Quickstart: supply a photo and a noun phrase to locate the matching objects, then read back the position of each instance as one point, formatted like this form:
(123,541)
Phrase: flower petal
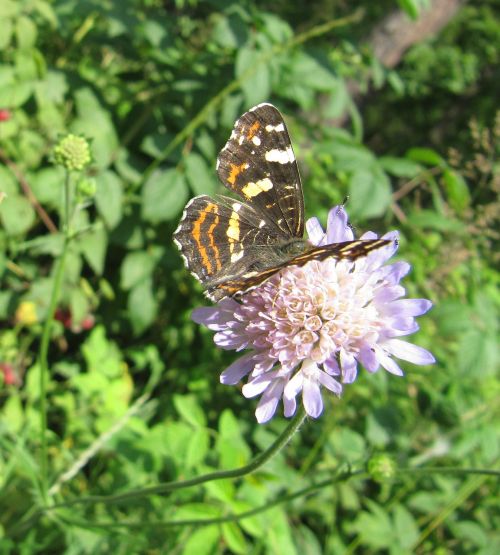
(315,231)
(267,405)
(409,307)
(259,384)
(389,364)
(330,383)
(241,367)
(311,397)
(349,366)
(368,358)
(338,229)
(408,351)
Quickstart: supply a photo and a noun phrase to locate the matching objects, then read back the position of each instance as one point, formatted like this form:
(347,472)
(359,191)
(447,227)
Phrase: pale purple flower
(308,327)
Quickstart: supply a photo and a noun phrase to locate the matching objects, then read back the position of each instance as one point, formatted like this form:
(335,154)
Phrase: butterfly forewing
(258,164)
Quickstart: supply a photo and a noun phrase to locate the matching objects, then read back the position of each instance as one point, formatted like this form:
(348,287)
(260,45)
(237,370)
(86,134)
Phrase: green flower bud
(72,152)
(382,467)
(85,188)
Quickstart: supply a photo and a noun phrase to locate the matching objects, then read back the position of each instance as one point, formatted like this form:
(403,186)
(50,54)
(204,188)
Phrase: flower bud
(72,152)
(86,188)
(382,467)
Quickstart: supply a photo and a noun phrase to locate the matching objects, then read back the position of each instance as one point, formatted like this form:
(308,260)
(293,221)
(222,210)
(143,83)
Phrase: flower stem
(44,344)
(256,463)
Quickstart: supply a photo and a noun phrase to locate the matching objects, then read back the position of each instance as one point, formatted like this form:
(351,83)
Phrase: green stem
(45,341)
(256,463)
(278,500)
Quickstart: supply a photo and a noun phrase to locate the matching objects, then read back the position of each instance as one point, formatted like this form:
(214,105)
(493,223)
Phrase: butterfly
(232,246)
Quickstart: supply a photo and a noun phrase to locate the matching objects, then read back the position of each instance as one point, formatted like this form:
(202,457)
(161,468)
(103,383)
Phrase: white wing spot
(278,128)
(255,140)
(280,156)
(237,255)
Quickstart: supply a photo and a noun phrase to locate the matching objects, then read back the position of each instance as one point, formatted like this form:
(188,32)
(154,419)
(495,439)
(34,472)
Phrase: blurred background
(393,104)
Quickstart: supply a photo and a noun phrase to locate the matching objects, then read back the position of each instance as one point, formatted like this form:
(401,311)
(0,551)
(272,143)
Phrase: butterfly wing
(239,284)
(223,237)
(258,164)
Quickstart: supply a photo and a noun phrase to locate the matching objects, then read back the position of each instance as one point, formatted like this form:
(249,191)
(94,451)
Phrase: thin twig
(29,193)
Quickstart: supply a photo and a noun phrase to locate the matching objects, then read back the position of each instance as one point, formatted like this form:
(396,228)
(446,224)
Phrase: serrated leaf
(163,196)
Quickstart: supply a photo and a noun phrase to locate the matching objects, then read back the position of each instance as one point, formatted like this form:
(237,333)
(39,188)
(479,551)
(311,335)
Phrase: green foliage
(133,394)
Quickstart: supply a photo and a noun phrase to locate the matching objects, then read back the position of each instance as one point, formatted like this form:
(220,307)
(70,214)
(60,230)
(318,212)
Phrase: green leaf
(26,32)
(230,31)
(47,185)
(163,196)
(202,541)
(109,198)
(400,167)
(17,214)
(79,306)
(6,34)
(15,94)
(200,177)
(405,527)
(349,156)
(93,245)
(9,8)
(428,219)
(96,123)
(234,537)
(254,76)
(369,184)
(189,409)
(426,156)
(231,446)
(136,267)
(8,184)
(142,306)
(198,447)
(457,191)
(472,532)
(375,527)
(309,72)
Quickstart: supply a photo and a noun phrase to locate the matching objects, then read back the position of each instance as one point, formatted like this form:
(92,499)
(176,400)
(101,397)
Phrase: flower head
(72,152)
(310,326)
